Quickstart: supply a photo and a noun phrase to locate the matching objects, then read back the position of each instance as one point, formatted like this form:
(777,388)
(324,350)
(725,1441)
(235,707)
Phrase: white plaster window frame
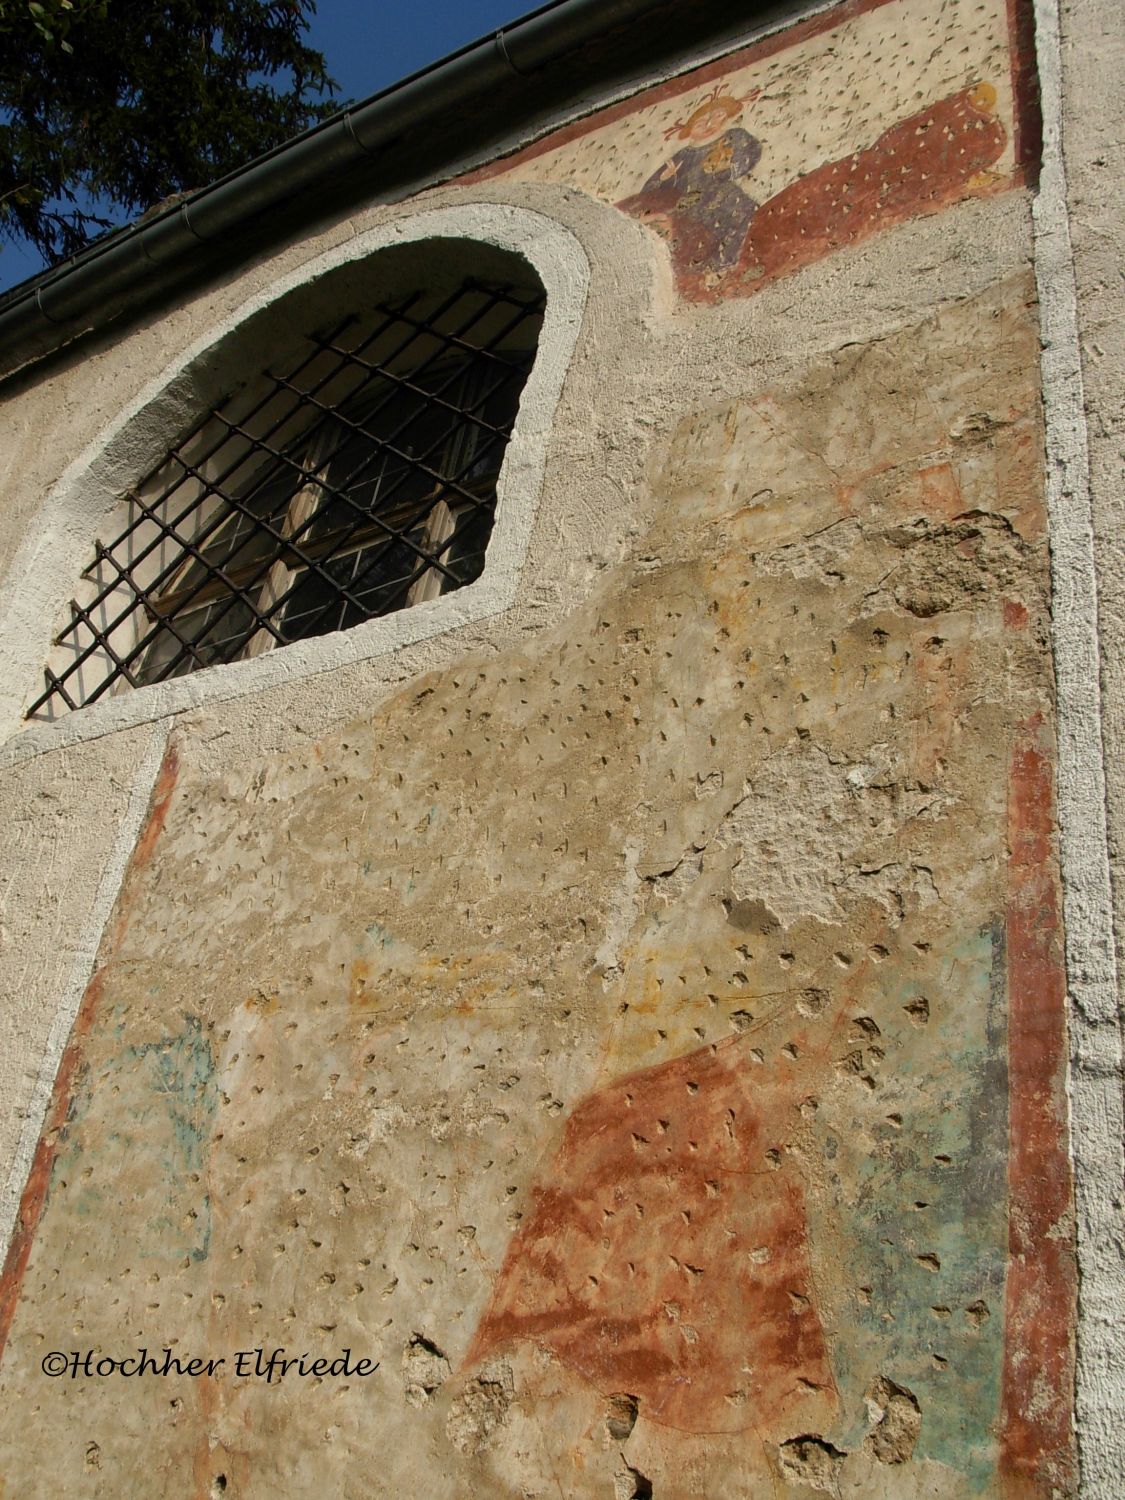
(43,574)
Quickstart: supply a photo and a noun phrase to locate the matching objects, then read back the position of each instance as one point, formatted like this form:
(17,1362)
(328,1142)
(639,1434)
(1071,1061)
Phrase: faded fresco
(641,1043)
(807,143)
(645,1042)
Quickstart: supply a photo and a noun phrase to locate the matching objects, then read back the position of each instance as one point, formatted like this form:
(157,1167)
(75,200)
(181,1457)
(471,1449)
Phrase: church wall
(635,1022)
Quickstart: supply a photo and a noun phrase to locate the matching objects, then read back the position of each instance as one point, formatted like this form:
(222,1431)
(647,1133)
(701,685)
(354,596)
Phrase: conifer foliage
(107,107)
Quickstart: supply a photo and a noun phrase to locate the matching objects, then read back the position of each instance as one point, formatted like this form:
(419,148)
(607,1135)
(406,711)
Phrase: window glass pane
(377,578)
(216,633)
(464,556)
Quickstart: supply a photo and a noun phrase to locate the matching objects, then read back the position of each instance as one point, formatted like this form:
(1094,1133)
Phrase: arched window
(355,478)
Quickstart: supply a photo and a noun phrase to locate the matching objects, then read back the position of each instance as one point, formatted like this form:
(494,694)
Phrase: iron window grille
(360,482)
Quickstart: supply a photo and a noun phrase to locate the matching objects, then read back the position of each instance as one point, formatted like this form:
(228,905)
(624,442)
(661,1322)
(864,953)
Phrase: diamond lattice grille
(359,482)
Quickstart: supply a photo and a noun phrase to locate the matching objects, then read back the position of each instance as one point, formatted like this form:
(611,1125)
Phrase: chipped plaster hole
(424,1370)
(811,1461)
(864,1027)
(977,1312)
(482,1407)
(631,1484)
(621,1417)
(897,1420)
(218,1486)
(812,1003)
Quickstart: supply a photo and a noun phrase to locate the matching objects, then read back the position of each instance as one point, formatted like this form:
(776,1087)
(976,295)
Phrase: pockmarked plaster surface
(868,114)
(642,1035)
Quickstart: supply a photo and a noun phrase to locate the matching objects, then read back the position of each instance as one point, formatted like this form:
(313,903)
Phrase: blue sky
(371,43)
(368,44)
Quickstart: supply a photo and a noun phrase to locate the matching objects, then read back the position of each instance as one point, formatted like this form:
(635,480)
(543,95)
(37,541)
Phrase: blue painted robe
(698,196)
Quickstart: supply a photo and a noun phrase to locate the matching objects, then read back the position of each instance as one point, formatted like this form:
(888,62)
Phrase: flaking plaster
(684,366)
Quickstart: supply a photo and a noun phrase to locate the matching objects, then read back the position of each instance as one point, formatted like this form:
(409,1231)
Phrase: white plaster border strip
(55,553)
(1095,1082)
(128,832)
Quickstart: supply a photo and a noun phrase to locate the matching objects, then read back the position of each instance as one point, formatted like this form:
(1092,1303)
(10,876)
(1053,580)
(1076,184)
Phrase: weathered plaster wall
(71,822)
(1081,239)
(812,139)
(636,1020)
(1093,57)
(582,516)
(430,959)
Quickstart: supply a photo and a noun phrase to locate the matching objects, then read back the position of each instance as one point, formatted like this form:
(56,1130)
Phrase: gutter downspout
(107,279)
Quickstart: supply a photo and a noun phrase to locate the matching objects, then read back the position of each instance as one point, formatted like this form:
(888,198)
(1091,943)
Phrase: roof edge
(122,271)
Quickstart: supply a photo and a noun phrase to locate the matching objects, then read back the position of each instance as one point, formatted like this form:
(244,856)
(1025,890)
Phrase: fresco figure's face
(706,122)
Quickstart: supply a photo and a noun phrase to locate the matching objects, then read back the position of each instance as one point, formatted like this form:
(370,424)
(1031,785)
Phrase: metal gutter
(104,281)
